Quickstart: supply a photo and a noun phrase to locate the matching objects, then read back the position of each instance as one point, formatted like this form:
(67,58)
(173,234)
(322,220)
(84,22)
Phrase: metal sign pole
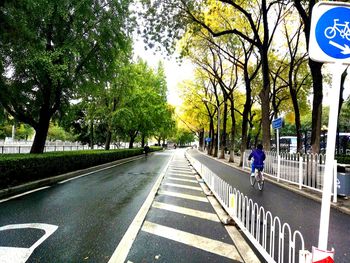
(331,139)
(278,142)
(218,131)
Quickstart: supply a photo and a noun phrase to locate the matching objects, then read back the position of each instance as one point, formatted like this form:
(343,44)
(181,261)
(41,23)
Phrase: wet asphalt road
(299,212)
(182,226)
(92,213)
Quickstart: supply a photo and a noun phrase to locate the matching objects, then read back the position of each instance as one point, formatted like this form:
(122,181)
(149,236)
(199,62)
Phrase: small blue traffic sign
(208,139)
(277,123)
(330,32)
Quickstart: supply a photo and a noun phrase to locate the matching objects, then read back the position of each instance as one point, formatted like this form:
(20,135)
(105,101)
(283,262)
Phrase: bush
(16,169)
(343,159)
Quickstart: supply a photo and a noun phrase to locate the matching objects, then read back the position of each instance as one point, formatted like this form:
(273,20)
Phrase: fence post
(300,172)
(278,167)
(305,256)
(335,182)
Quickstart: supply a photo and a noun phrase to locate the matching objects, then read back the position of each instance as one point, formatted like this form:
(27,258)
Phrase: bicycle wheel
(347,35)
(330,32)
(252,179)
(260,181)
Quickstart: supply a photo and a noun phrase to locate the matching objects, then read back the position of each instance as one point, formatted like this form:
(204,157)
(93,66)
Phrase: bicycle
(257,178)
(343,29)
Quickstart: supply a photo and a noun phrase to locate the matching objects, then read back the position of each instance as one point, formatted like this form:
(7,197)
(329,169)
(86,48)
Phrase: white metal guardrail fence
(275,241)
(304,170)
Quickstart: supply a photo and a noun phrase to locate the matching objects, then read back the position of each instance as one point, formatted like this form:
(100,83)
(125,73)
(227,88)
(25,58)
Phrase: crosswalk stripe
(207,244)
(186,211)
(184,186)
(184,196)
(182,180)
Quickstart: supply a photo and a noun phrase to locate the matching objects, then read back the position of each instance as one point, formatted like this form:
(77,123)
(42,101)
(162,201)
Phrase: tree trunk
(294,97)
(316,72)
(91,134)
(108,139)
(246,110)
(224,128)
(211,135)
(265,118)
(233,131)
(265,101)
(41,131)
(131,142)
(201,139)
(132,139)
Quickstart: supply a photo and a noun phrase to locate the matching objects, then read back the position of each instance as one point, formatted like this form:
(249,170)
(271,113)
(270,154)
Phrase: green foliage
(17,169)
(48,49)
(184,137)
(344,117)
(58,133)
(342,159)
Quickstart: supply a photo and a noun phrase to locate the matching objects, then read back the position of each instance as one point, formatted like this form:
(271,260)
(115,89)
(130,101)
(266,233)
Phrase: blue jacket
(258,156)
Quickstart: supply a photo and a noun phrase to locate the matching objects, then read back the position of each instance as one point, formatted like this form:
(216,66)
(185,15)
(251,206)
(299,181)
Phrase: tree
(48,49)
(304,9)
(144,107)
(184,137)
(187,13)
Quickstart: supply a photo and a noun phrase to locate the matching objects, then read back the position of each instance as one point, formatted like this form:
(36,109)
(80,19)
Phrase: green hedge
(343,159)
(16,169)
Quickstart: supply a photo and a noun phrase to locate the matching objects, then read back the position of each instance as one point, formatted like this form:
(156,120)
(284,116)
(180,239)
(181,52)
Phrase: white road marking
(181,171)
(182,180)
(20,254)
(207,244)
(187,171)
(184,196)
(99,170)
(186,211)
(29,192)
(122,250)
(182,175)
(184,186)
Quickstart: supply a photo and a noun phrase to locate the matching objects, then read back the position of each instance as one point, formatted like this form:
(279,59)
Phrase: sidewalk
(343,203)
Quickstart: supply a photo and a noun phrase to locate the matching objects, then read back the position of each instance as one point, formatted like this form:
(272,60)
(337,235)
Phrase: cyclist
(259,157)
(146,150)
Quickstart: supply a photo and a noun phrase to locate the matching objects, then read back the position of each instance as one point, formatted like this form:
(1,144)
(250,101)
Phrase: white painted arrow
(345,49)
(20,254)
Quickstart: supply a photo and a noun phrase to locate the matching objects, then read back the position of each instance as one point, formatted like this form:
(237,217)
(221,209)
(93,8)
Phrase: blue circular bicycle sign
(330,32)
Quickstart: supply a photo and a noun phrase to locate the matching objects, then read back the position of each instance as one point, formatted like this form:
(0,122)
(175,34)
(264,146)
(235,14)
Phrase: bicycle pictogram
(343,30)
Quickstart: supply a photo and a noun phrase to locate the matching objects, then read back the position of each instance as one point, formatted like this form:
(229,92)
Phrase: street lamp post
(218,134)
